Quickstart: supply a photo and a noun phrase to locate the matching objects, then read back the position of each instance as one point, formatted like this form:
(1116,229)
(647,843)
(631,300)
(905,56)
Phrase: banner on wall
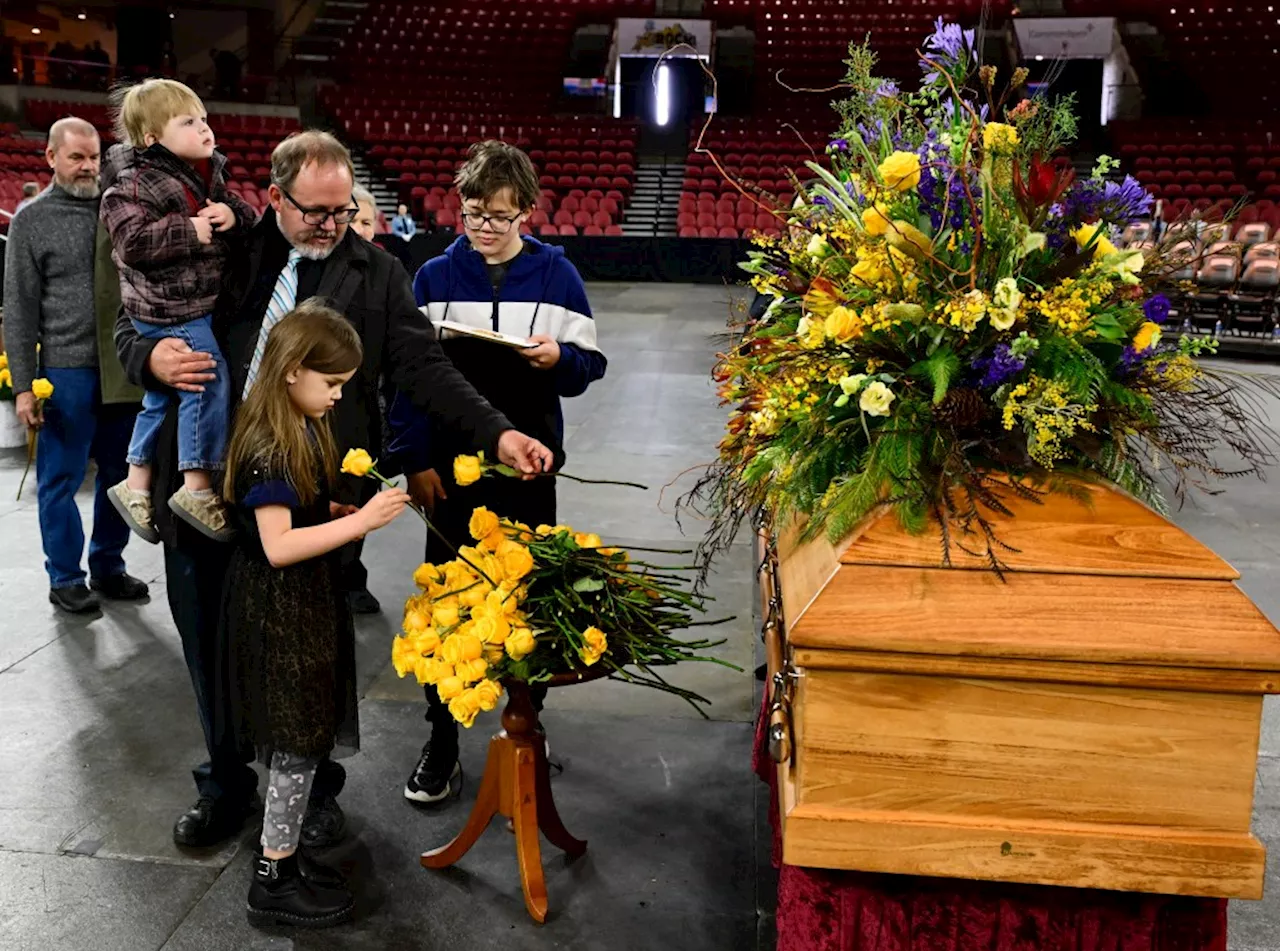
(638,36)
(1065,37)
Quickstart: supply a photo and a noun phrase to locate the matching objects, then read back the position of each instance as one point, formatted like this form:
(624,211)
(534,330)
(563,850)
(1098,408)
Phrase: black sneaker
(75,599)
(433,776)
(280,895)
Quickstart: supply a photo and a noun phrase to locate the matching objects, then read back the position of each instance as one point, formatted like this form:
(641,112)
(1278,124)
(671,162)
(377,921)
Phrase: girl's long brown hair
(268,430)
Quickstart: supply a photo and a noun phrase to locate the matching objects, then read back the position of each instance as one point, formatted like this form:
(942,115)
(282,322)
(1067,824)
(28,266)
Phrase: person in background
(403,224)
(29,192)
(366,223)
(493,279)
(51,301)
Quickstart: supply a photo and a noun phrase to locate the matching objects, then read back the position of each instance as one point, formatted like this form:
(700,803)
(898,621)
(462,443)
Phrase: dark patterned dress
(289,638)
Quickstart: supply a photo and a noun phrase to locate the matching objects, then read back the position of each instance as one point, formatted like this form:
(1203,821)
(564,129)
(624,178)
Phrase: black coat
(368,286)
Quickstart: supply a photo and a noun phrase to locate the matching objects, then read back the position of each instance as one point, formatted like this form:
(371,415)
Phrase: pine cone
(961,408)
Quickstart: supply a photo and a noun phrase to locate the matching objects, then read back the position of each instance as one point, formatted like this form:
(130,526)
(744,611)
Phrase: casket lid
(1112,582)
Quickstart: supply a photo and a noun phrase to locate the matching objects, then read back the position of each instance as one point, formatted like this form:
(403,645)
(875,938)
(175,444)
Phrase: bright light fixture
(663,111)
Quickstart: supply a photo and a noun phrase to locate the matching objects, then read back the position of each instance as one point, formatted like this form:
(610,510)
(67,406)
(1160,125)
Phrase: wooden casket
(1090,720)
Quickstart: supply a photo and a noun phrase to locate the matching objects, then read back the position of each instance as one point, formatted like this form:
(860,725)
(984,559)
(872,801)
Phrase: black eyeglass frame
(343,216)
(491,221)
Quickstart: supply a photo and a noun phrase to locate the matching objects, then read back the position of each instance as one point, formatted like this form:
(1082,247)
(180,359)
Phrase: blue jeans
(78,426)
(202,417)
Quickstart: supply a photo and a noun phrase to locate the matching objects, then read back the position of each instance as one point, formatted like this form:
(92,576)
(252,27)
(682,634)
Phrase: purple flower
(1125,201)
(1157,309)
(949,40)
(1001,366)
(887,90)
(838,145)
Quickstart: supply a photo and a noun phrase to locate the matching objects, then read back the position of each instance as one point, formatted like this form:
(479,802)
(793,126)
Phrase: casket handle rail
(782,683)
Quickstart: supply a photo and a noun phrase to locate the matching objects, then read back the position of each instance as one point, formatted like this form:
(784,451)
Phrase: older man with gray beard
(50,301)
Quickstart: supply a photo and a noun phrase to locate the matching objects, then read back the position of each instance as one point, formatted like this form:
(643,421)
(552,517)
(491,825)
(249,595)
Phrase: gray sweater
(48,286)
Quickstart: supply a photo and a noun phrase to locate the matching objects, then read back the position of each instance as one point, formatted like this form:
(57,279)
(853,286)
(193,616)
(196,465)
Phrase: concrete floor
(97,730)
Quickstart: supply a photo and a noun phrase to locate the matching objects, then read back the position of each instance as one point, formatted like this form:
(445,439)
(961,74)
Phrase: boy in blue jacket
(493,278)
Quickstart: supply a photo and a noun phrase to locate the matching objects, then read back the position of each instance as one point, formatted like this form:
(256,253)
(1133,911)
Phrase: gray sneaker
(135,508)
(206,514)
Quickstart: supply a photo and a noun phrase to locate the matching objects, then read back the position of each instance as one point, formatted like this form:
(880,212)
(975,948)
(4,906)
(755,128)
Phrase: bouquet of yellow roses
(528,604)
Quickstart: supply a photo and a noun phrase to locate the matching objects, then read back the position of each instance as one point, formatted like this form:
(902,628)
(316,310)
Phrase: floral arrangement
(529,604)
(950,321)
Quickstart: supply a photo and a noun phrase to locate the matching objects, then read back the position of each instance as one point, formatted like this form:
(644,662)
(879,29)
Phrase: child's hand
(219,214)
(382,508)
(204,230)
(545,355)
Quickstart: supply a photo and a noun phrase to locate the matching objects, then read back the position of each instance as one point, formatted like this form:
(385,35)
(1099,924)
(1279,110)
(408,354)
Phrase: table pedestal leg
(517,785)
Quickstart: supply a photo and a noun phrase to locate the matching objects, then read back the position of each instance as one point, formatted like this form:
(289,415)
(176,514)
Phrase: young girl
(289,638)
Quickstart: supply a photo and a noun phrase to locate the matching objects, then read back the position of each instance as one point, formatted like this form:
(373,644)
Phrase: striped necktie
(283,299)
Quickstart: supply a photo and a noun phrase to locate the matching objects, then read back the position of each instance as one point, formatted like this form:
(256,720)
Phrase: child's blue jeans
(202,417)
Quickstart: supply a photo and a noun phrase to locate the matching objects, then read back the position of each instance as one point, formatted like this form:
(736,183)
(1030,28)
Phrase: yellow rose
(465,707)
(998,137)
(467,470)
(1148,336)
(842,325)
(432,670)
(520,643)
(415,621)
(544,530)
(494,654)
(404,655)
(461,647)
(515,559)
(472,596)
(901,171)
(491,541)
(472,670)
(875,221)
(445,613)
(867,272)
(449,687)
(426,641)
(41,388)
(425,576)
(588,540)
(4,361)
(492,629)
(594,644)
(357,462)
(1102,246)
(875,399)
(482,523)
(487,694)
(6,378)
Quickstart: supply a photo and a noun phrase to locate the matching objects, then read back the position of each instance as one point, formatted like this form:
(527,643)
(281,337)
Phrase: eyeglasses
(318,216)
(496,224)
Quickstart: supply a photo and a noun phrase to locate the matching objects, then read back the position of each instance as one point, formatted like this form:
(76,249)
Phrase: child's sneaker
(205,513)
(135,508)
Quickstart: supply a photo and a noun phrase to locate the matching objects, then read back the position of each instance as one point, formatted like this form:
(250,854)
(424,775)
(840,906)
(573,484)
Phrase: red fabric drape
(821,910)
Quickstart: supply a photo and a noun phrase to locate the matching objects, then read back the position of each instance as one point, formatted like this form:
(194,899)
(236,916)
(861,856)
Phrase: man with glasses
(493,278)
(302,247)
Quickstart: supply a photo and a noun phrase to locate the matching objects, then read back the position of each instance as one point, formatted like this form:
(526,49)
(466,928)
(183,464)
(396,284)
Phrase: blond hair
(145,108)
(266,431)
(305,148)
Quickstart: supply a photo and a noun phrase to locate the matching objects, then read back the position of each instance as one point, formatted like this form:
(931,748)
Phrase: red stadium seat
(614,231)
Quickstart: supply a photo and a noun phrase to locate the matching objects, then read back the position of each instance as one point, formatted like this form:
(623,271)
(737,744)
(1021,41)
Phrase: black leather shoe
(121,587)
(316,872)
(74,599)
(324,823)
(212,821)
(281,895)
(362,602)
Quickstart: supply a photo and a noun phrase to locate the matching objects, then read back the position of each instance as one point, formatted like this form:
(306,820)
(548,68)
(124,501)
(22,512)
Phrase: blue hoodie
(542,293)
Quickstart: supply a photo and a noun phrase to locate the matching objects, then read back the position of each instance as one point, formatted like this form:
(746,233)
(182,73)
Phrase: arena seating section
(246,140)
(429,79)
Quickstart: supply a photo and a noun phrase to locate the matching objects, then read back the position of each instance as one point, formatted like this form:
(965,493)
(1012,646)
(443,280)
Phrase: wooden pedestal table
(517,785)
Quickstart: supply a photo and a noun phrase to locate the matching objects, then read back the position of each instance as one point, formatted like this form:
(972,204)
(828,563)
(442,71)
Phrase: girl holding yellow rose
(290,662)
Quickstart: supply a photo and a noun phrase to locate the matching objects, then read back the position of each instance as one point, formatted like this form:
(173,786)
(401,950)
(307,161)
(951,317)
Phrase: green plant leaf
(588,584)
(939,368)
